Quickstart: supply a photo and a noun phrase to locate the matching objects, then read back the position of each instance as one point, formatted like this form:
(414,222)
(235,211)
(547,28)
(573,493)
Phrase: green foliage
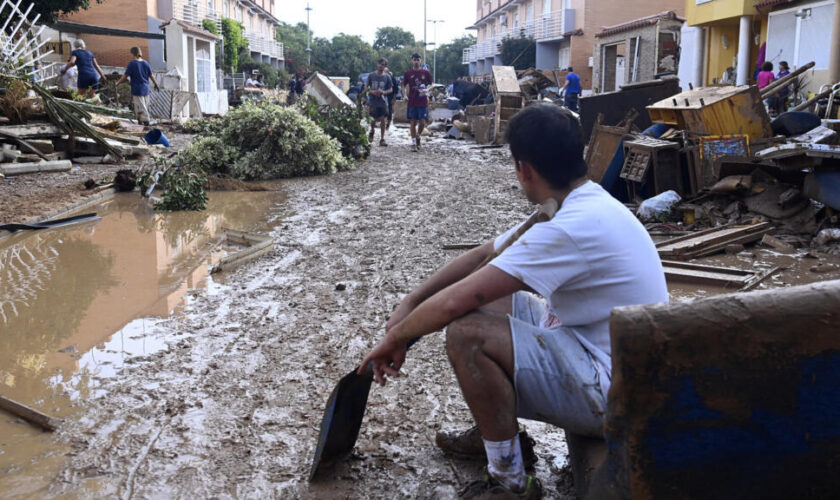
(399,60)
(271,77)
(345,55)
(203,126)
(234,42)
(207,154)
(294,45)
(51,9)
(521,52)
(209,26)
(184,190)
(449,57)
(393,37)
(342,124)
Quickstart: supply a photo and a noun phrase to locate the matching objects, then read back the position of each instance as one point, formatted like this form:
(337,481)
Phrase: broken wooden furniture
(710,241)
(508,100)
(604,142)
(728,395)
(715,111)
(652,161)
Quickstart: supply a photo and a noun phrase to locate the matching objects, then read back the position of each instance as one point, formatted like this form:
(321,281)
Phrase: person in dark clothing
(379,86)
(89,70)
(140,73)
(571,90)
(392,97)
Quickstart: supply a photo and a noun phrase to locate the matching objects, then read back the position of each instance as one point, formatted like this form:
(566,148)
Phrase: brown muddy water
(78,302)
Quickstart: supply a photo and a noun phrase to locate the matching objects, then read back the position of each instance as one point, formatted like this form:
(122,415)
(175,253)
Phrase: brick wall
(121,14)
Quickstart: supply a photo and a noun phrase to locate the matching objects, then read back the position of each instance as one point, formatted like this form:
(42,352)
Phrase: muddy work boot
(382,142)
(468,444)
(490,488)
(417,143)
(370,136)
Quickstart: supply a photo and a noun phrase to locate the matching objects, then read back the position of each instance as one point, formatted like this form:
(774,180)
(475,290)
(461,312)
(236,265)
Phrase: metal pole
(308,37)
(834,59)
(425,22)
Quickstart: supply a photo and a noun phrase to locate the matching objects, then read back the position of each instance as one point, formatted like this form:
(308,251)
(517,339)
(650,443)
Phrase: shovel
(346,405)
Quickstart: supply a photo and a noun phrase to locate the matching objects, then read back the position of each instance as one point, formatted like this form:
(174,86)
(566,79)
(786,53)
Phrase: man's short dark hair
(570,69)
(415,56)
(382,60)
(549,138)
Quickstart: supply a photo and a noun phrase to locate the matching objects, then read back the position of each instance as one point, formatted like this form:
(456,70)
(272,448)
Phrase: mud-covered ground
(232,407)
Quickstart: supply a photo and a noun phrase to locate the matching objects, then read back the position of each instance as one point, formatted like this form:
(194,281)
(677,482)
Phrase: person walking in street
(571,90)
(89,71)
(415,82)
(395,86)
(379,86)
(528,334)
(139,72)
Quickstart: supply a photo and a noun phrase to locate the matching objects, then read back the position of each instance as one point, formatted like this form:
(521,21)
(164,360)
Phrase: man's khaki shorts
(556,377)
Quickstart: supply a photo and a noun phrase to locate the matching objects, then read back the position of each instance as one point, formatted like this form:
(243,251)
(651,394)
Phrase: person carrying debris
(87,67)
(379,86)
(140,73)
(415,82)
(528,334)
(571,90)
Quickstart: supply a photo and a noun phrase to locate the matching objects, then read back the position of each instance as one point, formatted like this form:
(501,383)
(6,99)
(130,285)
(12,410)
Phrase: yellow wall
(716,10)
(720,57)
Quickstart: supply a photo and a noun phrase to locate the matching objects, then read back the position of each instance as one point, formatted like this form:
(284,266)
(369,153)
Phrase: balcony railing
(194,12)
(468,55)
(264,46)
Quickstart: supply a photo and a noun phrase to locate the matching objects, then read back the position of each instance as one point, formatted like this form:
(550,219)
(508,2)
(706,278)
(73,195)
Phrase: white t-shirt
(594,255)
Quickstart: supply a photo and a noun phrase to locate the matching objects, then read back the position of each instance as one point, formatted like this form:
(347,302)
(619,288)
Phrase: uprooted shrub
(342,124)
(265,141)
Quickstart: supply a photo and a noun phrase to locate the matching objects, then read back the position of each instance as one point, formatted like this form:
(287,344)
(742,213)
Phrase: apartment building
(258,17)
(564,30)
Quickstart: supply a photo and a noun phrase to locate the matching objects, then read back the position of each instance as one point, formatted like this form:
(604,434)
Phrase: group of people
(381,87)
(89,75)
(778,102)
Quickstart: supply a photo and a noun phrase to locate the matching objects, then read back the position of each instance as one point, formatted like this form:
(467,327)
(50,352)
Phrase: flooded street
(175,384)
(79,301)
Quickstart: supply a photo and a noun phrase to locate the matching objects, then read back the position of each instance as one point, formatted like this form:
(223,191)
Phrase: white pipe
(743,51)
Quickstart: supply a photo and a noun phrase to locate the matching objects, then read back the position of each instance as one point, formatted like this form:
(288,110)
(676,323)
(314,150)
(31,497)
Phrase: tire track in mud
(238,395)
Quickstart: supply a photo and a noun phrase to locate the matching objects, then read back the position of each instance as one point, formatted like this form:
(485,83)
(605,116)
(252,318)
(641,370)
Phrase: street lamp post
(424,32)
(434,54)
(308,37)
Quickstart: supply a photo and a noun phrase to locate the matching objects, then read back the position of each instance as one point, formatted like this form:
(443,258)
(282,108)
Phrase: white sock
(504,462)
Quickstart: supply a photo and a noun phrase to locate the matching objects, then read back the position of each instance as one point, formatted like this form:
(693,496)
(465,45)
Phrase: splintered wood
(711,241)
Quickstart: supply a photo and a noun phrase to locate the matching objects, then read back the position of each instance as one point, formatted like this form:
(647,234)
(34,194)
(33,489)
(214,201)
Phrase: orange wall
(122,14)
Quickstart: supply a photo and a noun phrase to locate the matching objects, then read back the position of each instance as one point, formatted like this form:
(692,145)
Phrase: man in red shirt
(415,83)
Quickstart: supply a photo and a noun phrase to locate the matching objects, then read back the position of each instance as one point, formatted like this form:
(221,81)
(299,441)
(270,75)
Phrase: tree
(344,55)
(521,52)
(450,57)
(392,37)
(51,9)
(293,38)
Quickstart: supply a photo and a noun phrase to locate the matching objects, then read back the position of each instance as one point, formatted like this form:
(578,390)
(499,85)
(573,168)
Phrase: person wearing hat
(415,82)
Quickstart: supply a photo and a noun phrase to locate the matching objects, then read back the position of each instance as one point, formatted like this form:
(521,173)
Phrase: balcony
(264,46)
(468,55)
(548,26)
(194,12)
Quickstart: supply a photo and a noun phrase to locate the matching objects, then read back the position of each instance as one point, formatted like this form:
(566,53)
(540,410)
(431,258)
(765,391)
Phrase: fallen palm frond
(69,117)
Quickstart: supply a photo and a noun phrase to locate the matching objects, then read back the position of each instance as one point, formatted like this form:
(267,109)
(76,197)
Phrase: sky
(363,17)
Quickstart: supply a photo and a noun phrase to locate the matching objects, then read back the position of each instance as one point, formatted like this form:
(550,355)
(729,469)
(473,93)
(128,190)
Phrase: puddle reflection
(77,301)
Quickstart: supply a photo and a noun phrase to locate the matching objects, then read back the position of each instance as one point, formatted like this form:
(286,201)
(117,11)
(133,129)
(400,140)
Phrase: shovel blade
(342,420)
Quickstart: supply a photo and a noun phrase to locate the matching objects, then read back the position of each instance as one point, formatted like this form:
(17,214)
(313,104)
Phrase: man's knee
(462,335)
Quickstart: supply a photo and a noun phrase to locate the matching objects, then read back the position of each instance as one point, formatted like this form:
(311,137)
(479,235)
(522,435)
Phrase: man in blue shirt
(140,73)
(572,90)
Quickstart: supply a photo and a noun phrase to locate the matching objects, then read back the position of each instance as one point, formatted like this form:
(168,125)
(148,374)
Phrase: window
(546,12)
(239,13)
(203,67)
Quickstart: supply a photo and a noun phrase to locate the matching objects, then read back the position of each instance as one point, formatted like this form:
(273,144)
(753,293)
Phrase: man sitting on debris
(379,86)
(528,334)
(415,82)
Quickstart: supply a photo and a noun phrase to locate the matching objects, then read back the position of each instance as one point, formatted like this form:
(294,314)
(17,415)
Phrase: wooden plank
(708,275)
(31,415)
(32,131)
(507,113)
(505,80)
(689,246)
